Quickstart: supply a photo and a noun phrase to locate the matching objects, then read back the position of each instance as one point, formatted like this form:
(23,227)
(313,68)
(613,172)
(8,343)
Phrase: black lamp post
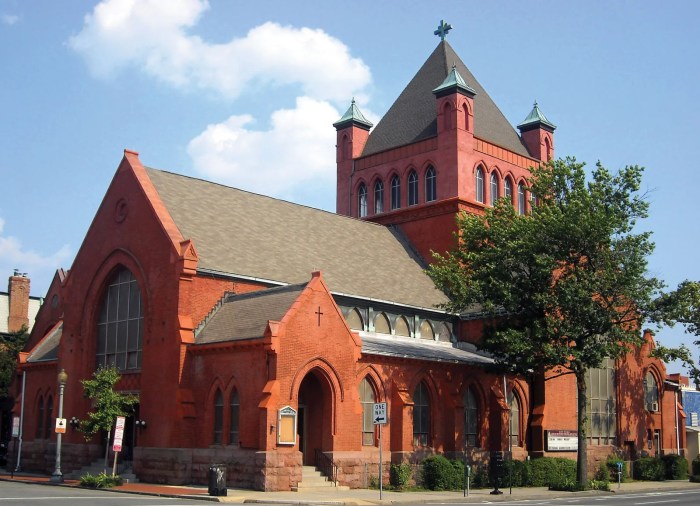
(57,476)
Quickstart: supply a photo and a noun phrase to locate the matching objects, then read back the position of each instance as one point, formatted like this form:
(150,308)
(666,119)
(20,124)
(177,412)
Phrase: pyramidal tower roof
(413,116)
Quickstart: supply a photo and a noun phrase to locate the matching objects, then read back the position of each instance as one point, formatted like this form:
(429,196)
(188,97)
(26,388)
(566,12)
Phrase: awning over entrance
(416,349)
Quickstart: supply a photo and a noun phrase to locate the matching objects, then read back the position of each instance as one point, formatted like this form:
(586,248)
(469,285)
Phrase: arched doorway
(315,417)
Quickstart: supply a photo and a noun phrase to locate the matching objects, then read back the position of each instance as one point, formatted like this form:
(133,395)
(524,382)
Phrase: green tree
(680,306)
(10,346)
(107,404)
(568,282)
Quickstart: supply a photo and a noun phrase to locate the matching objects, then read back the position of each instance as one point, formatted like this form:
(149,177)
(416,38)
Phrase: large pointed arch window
(651,392)
(40,418)
(479,184)
(421,416)
(395,192)
(430,184)
(362,200)
(120,323)
(378,197)
(601,409)
(412,188)
(471,417)
(367,399)
(49,424)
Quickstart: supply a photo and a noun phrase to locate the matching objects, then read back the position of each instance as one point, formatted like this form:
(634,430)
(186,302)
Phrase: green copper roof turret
(536,119)
(353,116)
(454,82)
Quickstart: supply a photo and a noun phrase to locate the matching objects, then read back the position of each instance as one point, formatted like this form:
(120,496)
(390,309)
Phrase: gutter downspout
(352,174)
(678,435)
(21,421)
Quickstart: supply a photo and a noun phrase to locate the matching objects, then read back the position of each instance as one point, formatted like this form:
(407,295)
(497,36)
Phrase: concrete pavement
(359,497)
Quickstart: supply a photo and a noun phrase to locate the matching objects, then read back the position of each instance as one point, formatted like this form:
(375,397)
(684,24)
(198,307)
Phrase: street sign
(380,414)
(15,426)
(60,425)
(119,434)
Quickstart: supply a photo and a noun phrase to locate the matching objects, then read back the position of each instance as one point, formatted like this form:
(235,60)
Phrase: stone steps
(313,480)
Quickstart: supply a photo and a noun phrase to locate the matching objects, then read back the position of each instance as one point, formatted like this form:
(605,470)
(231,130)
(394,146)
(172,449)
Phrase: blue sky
(244,93)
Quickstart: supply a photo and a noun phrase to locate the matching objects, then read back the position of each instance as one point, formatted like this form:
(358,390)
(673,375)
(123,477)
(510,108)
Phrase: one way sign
(379,413)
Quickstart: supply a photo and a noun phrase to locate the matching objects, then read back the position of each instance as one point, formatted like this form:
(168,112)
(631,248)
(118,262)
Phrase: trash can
(217,480)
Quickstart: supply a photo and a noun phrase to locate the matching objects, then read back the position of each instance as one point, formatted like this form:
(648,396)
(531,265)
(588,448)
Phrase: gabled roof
(240,233)
(47,349)
(417,349)
(245,316)
(413,116)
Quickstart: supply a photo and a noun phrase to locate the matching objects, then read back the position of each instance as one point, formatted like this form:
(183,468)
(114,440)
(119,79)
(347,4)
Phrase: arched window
(521,199)
(378,197)
(421,416)
(40,418)
(508,189)
(395,192)
(494,188)
(401,327)
(120,324)
(533,199)
(479,184)
(367,399)
(471,417)
(412,188)
(601,409)
(381,324)
(430,185)
(49,424)
(548,148)
(234,407)
(426,331)
(651,392)
(445,334)
(514,404)
(354,320)
(362,200)
(218,417)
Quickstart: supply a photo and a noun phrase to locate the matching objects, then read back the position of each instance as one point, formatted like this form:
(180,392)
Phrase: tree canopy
(107,403)
(568,281)
(10,346)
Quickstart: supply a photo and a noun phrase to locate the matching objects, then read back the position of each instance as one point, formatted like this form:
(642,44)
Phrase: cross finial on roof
(442,29)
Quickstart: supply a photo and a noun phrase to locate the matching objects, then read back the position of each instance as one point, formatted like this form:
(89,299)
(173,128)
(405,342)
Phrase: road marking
(658,502)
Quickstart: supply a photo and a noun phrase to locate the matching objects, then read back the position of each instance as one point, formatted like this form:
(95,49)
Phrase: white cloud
(298,148)
(39,267)
(151,35)
(9,19)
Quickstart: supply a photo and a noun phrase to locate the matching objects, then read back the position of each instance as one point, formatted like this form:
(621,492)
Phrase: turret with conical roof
(537,133)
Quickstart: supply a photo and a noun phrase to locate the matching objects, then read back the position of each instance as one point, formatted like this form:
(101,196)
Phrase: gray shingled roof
(47,349)
(245,316)
(241,233)
(420,350)
(413,116)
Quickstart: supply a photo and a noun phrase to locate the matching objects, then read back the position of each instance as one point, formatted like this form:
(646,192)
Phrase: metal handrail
(326,466)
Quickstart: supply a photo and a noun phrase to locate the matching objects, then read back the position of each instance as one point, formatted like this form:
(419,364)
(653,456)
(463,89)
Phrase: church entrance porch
(315,416)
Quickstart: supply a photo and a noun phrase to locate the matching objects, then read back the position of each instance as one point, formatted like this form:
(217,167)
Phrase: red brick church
(258,333)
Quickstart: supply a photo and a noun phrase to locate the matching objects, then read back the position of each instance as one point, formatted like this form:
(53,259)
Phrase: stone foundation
(40,456)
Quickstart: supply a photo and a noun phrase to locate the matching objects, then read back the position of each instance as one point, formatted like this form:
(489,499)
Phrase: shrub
(515,473)
(675,467)
(612,467)
(603,473)
(545,471)
(101,480)
(479,477)
(441,474)
(599,485)
(399,474)
(696,466)
(649,469)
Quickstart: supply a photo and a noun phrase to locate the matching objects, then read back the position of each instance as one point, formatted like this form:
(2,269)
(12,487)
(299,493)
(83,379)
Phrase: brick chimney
(18,288)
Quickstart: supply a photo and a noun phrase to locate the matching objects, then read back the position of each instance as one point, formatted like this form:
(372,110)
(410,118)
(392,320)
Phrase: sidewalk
(358,497)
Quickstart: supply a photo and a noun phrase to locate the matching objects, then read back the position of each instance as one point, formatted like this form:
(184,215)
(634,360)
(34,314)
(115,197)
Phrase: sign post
(118,437)
(380,419)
